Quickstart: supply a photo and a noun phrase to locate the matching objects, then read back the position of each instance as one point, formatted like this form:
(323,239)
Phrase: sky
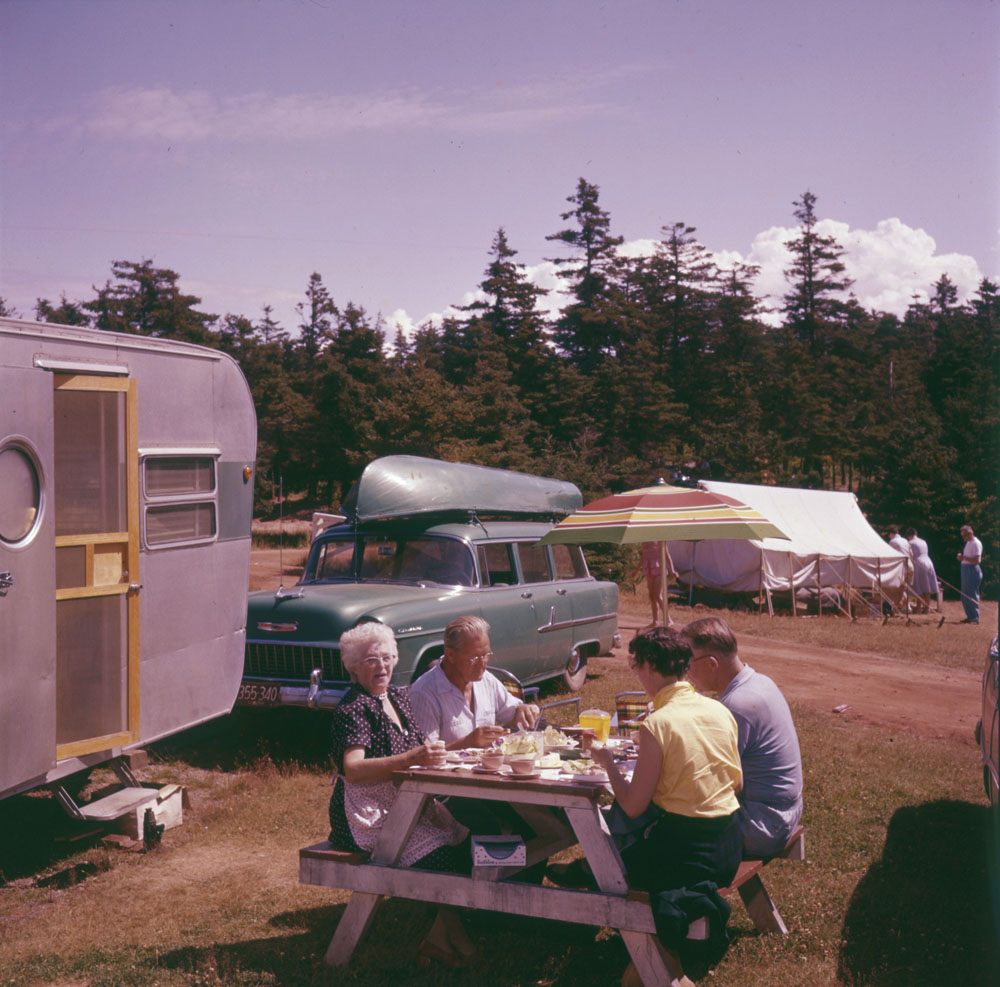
(246,144)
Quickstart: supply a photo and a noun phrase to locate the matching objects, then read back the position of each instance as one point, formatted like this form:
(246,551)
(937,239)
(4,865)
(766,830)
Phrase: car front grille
(292,661)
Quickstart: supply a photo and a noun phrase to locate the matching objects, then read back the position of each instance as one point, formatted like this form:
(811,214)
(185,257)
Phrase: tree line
(655,360)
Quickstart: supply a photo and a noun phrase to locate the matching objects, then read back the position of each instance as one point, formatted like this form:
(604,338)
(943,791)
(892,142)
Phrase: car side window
(534,562)
(569,562)
(335,560)
(496,564)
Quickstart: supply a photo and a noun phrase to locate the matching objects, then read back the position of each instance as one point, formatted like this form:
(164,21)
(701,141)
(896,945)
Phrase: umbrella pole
(664,581)
(694,570)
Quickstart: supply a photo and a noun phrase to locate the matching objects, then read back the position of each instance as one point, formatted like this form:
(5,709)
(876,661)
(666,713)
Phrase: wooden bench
(748,883)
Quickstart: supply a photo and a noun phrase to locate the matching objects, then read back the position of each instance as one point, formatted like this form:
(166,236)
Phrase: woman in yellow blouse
(688,768)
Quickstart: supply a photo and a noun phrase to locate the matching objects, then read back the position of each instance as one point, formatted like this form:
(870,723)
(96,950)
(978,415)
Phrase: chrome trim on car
(273,628)
(558,625)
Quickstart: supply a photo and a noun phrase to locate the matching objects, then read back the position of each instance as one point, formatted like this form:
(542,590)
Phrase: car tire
(576,671)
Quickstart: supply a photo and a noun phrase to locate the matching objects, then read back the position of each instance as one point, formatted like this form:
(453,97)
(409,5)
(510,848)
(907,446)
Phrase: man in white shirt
(458,700)
(972,574)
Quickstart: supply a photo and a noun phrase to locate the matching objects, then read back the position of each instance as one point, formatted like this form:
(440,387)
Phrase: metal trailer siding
(193,597)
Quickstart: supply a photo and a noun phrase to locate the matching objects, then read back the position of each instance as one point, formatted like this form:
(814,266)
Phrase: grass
(894,890)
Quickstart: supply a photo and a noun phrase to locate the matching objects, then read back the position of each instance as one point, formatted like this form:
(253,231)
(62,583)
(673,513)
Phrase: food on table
(555,738)
(519,743)
(582,766)
(549,761)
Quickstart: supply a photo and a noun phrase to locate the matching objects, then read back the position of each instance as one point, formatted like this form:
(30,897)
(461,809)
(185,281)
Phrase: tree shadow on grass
(511,950)
(283,735)
(922,914)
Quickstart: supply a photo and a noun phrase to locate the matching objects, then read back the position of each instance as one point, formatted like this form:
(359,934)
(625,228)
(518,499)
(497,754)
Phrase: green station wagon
(425,542)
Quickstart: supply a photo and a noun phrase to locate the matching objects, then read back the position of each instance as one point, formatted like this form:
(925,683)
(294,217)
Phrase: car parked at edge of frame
(988,728)
(425,542)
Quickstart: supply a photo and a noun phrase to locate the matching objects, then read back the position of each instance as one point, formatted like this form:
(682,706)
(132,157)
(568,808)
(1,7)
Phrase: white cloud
(161,113)
(890,266)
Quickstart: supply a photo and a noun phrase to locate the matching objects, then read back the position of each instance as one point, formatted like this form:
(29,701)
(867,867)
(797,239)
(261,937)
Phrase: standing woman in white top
(925,584)
(972,574)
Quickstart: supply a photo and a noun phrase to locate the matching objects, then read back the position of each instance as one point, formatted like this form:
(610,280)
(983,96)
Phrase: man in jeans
(771,798)
(971,573)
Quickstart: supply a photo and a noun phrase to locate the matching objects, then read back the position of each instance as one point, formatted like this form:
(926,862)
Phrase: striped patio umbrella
(662,513)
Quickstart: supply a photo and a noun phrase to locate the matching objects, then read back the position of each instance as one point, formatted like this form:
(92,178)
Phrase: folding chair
(631,708)
(530,694)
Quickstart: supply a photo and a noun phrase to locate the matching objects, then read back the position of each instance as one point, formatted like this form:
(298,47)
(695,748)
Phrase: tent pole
(760,587)
(819,587)
(850,590)
(878,579)
(791,584)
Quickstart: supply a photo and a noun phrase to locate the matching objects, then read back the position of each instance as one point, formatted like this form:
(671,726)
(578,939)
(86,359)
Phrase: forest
(655,361)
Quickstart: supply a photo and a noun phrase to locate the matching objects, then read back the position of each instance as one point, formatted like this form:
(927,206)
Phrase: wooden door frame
(129,387)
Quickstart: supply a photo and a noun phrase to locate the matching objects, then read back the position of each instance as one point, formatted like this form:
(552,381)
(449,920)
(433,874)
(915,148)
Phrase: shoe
(575,874)
(428,952)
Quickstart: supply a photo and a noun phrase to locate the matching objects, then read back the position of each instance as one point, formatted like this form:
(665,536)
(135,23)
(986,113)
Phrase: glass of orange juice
(598,721)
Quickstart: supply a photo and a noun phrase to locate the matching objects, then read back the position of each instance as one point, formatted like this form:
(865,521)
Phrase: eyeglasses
(372,660)
(484,657)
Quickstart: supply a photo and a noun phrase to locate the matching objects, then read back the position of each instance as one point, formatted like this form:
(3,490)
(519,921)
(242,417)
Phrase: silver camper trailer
(126,495)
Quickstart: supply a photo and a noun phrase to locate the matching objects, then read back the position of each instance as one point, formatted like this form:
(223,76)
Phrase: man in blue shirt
(771,798)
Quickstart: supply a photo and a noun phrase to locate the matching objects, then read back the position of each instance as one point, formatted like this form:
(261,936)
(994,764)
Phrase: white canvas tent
(832,545)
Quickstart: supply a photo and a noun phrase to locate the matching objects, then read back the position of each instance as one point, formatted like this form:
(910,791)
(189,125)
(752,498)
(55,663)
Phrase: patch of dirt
(928,700)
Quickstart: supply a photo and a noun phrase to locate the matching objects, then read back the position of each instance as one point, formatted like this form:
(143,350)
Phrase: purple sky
(247,144)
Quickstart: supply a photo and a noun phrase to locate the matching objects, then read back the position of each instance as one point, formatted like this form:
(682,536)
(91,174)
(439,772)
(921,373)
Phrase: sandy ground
(936,702)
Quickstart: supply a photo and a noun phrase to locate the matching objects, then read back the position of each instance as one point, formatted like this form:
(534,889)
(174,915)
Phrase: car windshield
(387,559)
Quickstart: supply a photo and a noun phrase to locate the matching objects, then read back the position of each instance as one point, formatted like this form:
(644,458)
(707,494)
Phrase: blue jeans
(972,577)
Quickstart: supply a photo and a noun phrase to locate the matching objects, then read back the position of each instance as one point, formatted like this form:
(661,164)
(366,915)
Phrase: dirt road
(935,702)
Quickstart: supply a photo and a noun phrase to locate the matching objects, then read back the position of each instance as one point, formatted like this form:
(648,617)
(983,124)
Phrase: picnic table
(562,813)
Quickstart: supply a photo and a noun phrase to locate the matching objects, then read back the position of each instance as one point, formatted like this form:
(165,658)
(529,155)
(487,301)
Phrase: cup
(491,760)
(522,765)
(598,721)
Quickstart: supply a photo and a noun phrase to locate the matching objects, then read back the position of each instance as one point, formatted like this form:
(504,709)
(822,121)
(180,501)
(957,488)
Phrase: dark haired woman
(688,767)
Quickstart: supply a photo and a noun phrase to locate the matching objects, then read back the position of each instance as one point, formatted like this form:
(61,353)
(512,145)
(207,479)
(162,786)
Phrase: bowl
(522,765)
(491,760)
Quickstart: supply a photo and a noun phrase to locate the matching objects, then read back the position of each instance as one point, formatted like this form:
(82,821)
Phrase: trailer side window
(180,500)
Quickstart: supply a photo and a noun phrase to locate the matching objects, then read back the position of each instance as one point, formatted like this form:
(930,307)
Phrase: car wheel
(576,670)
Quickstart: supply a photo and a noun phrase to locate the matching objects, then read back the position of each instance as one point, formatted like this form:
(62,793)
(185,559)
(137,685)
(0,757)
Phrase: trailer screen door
(96,508)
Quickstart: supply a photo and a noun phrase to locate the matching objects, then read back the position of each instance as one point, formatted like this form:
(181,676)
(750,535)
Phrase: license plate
(258,694)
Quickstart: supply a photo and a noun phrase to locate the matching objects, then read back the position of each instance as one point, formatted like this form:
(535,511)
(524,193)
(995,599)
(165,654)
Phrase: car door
(508,607)
(553,609)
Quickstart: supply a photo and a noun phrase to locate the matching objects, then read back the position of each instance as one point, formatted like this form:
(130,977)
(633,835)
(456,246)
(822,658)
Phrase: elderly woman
(374,734)
(688,768)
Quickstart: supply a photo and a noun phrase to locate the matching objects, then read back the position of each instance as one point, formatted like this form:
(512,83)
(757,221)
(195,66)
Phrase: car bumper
(271,692)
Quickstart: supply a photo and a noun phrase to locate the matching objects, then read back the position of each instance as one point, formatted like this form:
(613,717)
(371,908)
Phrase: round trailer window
(20,493)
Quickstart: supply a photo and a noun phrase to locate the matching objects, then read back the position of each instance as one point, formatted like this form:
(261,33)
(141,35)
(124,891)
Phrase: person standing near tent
(898,542)
(651,570)
(925,584)
(771,797)
(971,574)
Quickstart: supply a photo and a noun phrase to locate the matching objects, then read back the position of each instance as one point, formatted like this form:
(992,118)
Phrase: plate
(480,770)
(598,778)
(524,777)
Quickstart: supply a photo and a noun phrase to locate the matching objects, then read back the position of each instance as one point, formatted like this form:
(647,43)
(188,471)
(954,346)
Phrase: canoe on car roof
(406,486)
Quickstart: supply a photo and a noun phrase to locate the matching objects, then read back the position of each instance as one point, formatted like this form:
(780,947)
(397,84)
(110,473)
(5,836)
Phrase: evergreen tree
(66,313)
(588,330)
(146,301)
(817,274)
